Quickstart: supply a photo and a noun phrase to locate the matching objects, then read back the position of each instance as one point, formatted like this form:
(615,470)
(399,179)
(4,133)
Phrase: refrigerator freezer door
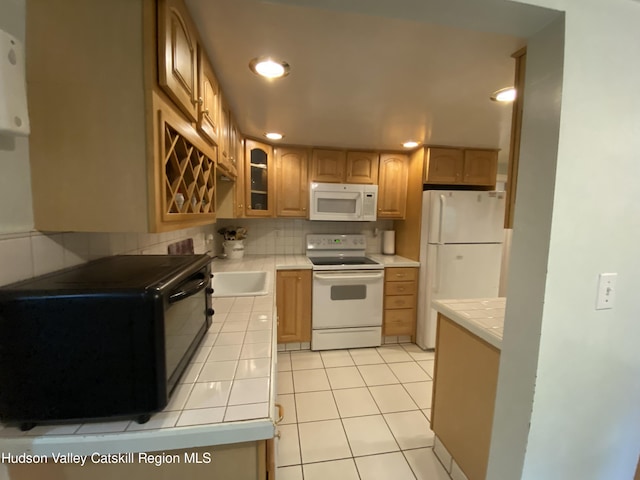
(465,216)
(456,271)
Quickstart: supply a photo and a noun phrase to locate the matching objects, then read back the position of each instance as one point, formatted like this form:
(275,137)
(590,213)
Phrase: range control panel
(325,241)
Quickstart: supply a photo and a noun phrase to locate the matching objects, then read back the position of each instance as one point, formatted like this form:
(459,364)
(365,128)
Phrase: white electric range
(347,293)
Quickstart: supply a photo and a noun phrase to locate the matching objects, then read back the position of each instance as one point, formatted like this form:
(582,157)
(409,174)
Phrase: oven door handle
(192,286)
(348,276)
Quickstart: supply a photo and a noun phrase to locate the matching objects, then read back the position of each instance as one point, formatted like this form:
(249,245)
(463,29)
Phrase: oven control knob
(210,312)
(209,290)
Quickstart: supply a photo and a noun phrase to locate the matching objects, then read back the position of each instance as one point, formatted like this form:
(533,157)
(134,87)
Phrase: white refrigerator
(460,251)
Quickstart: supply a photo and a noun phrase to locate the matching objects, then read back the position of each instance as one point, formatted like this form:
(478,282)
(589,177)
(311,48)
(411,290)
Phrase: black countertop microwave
(106,339)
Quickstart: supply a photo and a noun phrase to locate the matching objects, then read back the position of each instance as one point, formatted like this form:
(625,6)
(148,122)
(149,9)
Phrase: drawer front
(400,288)
(401,274)
(400,301)
(399,322)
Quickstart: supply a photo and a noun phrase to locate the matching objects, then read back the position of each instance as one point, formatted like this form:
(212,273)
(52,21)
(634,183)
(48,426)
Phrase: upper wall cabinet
(392,189)
(292,187)
(208,100)
(259,185)
(461,166)
(362,167)
(110,153)
(177,56)
(328,166)
(337,166)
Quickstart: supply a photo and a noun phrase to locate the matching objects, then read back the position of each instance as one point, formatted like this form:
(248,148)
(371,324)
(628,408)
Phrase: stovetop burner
(342,261)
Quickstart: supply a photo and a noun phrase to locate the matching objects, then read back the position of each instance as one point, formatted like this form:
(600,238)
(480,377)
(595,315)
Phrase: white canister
(234,249)
(389,242)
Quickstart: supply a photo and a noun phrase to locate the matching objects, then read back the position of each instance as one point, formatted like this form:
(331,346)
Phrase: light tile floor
(360,414)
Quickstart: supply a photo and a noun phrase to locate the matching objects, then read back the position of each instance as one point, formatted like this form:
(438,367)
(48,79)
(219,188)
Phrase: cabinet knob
(205,111)
(304,209)
(200,101)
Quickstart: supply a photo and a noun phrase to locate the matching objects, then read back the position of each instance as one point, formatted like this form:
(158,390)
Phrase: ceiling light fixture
(410,144)
(273,135)
(504,95)
(269,68)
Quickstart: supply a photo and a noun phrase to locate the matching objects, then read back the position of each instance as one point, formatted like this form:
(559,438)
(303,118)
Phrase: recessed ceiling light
(269,68)
(273,135)
(410,144)
(504,95)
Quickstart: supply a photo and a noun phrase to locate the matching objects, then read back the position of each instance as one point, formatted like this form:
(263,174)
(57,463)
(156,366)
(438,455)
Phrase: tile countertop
(484,317)
(223,397)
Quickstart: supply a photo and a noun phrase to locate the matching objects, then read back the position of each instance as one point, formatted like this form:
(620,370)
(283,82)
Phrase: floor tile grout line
(341,418)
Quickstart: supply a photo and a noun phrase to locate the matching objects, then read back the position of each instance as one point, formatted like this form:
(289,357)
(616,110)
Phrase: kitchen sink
(240,284)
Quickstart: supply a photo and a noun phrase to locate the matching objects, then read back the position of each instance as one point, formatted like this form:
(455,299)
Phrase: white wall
(16,212)
(585,409)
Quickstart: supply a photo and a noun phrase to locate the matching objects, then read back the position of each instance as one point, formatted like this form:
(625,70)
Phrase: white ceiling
(370,73)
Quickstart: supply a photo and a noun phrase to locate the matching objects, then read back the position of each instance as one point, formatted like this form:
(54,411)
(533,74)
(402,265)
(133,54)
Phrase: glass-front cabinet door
(259,176)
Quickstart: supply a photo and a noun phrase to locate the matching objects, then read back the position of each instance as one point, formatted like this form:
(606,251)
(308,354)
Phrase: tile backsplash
(287,236)
(26,255)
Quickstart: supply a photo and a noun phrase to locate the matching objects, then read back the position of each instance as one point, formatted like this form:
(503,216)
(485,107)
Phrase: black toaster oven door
(187,316)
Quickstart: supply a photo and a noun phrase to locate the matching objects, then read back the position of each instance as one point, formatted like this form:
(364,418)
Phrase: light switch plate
(606,291)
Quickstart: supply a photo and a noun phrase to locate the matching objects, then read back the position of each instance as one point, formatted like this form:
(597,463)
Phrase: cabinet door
(292,184)
(328,166)
(240,180)
(225,118)
(443,165)
(293,303)
(232,142)
(177,55)
(258,182)
(362,167)
(392,187)
(208,100)
(480,167)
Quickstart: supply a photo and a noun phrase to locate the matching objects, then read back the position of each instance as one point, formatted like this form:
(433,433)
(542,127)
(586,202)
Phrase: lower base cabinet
(464,392)
(240,461)
(400,289)
(293,303)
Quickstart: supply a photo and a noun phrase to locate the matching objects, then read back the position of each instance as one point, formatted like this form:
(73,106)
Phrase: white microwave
(343,202)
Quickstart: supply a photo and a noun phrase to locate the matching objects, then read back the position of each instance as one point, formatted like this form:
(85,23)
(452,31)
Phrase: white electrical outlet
(606,291)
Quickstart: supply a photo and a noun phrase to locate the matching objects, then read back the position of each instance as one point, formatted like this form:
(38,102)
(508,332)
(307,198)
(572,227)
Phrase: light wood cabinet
(480,167)
(464,391)
(293,303)
(177,56)
(209,109)
(104,152)
(461,166)
(188,179)
(400,290)
(392,186)
(240,182)
(328,166)
(292,187)
(259,179)
(223,143)
(338,166)
(362,167)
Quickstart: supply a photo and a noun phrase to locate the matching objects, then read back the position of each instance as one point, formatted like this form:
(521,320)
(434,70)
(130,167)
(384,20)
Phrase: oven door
(347,298)
(187,317)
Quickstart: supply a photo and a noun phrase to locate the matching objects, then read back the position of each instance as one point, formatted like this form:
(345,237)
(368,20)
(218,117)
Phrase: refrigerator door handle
(436,286)
(443,201)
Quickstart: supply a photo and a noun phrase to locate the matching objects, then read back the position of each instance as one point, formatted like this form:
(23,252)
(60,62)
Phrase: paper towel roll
(389,242)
